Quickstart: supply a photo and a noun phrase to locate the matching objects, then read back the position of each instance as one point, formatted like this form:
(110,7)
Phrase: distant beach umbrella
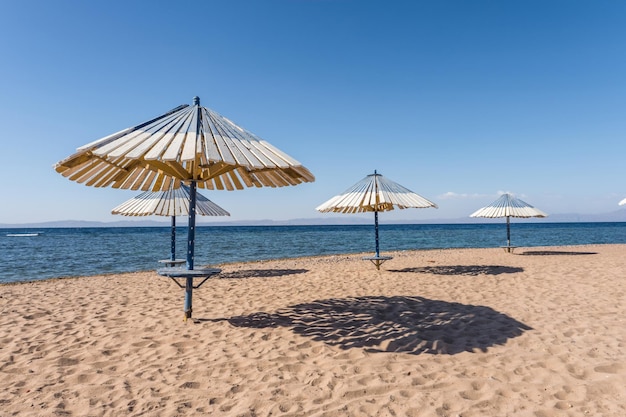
(172,203)
(189,144)
(508,206)
(374,193)
(623,202)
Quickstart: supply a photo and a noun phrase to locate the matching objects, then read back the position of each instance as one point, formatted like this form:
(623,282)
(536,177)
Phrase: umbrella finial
(196,101)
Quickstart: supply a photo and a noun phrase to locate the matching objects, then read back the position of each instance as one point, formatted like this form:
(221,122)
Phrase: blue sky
(455,100)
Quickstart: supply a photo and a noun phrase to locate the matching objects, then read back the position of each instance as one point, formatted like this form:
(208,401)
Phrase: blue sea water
(61,252)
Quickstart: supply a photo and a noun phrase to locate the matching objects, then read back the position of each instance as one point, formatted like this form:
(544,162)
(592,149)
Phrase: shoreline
(83,252)
(471,332)
(88,224)
(358,255)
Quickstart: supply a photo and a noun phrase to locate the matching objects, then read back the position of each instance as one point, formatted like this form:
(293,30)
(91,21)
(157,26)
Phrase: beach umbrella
(508,206)
(374,193)
(189,144)
(173,202)
(621,203)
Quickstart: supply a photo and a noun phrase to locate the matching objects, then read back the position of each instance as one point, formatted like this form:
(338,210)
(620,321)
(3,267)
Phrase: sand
(457,332)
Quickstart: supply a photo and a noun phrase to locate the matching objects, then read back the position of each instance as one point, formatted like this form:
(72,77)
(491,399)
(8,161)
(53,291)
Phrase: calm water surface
(59,252)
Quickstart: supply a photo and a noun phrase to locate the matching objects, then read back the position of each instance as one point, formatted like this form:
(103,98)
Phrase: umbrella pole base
(377,260)
(187,314)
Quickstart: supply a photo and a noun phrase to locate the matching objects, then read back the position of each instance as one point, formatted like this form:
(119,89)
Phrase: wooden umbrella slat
(211,151)
(154,149)
(217,142)
(242,144)
(239,157)
(190,147)
(244,176)
(174,149)
(110,138)
(157,141)
(141,137)
(265,153)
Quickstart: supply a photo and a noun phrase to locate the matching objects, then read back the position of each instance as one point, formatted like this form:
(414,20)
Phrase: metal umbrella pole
(376,232)
(191,231)
(508,233)
(376,212)
(191,237)
(173,245)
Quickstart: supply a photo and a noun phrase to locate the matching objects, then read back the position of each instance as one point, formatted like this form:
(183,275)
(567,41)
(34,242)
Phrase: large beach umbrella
(173,202)
(189,144)
(508,206)
(374,193)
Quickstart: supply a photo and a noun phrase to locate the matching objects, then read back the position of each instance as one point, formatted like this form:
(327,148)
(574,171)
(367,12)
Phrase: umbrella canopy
(374,193)
(190,144)
(508,206)
(621,203)
(173,202)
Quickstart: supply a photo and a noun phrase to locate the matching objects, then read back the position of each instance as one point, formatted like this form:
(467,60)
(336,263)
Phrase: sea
(44,253)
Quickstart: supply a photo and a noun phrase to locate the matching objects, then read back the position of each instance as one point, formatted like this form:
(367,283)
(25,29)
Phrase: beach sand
(456,332)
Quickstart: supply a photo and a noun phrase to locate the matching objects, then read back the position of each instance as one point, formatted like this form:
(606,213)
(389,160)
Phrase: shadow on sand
(471,270)
(556,252)
(262,273)
(413,325)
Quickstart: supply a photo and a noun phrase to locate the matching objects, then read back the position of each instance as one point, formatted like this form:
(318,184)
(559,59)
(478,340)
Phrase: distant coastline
(615,216)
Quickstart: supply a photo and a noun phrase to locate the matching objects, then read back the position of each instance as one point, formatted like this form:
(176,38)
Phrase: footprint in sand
(613,368)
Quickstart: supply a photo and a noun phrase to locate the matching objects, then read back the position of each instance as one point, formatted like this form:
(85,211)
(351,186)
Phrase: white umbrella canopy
(508,206)
(189,144)
(374,193)
(173,202)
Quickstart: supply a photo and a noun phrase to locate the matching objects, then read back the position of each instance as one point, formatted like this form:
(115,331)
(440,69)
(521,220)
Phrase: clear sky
(455,100)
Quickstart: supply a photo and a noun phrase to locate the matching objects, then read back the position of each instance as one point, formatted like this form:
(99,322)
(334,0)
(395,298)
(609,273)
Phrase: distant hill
(615,216)
(86,223)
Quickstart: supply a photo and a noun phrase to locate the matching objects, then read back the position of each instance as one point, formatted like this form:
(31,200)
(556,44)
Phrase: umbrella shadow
(402,324)
(470,270)
(556,252)
(262,273)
